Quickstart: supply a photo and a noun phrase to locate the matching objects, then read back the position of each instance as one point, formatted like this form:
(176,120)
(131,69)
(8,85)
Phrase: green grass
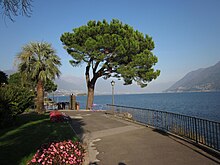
(19,143)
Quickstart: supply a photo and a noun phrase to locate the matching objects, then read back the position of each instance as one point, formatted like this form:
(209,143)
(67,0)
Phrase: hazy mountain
(70,83)
(205,79)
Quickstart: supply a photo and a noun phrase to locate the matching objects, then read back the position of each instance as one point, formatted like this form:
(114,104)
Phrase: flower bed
(57,116)
(66,152)
(59,153)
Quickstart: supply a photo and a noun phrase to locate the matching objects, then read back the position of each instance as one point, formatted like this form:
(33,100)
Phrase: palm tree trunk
(40,97)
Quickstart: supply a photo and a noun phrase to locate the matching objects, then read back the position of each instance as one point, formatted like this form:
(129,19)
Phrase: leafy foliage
(50,86)
(16,79)
(14,100)
(112,50)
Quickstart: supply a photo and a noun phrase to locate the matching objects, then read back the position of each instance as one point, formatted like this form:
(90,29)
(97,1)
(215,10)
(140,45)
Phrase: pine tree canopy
(112,50)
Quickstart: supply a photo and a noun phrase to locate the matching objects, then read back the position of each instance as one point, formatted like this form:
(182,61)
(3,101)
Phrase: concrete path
(111,141)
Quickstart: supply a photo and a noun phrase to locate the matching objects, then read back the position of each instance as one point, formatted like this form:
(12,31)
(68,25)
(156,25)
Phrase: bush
(13,101)
(66,152)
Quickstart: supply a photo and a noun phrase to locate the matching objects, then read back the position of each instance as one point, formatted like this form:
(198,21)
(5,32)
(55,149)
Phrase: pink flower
(59,153)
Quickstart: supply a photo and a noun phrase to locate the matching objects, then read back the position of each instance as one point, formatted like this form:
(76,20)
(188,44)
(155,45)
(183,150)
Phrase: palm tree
(38,61)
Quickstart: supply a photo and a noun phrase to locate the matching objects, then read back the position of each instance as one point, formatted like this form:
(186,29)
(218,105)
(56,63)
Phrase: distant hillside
(205,79)
(66,84)
(70,83)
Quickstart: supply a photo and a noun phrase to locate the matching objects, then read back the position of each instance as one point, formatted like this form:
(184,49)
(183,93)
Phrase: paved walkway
(111,141)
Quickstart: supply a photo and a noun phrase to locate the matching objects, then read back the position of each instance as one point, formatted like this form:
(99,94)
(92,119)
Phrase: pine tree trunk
(90,97)
(40,98)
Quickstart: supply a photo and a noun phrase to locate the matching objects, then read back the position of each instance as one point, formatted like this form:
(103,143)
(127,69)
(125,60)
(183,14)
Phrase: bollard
(77,106)
(72,102)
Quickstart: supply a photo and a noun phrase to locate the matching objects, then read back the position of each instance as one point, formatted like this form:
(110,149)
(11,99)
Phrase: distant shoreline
(174,92)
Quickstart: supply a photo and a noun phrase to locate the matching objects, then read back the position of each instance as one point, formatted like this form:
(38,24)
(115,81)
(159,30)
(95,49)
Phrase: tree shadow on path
(77,126)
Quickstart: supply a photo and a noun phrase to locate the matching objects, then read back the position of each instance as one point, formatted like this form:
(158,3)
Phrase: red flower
(56,116)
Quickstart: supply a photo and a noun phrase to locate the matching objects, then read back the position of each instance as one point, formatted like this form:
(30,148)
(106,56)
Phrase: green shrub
(14,100)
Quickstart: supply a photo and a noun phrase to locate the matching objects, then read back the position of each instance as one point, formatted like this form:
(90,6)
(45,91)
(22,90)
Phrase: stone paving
(112,141)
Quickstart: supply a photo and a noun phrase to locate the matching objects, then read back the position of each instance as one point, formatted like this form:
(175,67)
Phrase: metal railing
(201,131)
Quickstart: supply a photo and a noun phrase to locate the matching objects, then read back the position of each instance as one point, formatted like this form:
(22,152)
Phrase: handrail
(123,106)
(201,131)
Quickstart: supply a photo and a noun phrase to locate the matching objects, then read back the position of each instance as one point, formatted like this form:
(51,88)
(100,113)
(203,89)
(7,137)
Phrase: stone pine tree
(111,50)
(38,61)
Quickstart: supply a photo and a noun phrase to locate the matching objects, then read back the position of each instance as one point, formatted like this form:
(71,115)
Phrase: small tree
(39,62)
(111,50)
(14,100)
(17,79)
(50,86)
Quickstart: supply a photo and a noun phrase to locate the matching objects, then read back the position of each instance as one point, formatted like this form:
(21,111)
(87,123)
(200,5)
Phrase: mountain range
(201,80)
(67,84)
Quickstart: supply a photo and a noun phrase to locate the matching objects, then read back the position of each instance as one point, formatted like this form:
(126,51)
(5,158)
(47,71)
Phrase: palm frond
(39,61)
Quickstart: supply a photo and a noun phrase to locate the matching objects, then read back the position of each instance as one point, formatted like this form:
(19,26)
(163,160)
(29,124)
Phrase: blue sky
(186,34)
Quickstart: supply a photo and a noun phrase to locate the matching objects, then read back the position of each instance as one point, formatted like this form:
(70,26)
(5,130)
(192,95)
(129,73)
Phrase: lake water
(204,105)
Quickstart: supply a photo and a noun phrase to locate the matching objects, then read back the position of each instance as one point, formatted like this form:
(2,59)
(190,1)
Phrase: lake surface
(204,105)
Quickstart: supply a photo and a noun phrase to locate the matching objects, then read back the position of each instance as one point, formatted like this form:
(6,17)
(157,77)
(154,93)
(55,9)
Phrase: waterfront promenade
(112,141)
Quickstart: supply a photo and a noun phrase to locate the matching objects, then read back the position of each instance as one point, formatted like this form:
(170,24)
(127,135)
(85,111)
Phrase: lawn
(19,143)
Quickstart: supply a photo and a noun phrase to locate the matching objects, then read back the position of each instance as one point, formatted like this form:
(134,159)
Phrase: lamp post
(113,84)
(53,100)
